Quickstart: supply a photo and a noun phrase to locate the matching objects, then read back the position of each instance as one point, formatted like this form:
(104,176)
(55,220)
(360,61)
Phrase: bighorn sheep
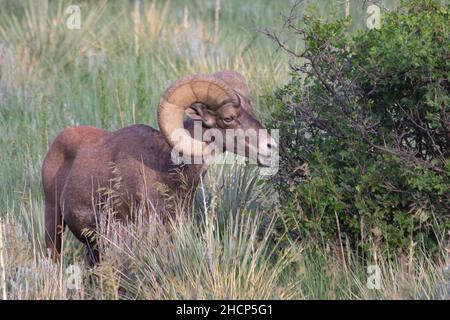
(83,160)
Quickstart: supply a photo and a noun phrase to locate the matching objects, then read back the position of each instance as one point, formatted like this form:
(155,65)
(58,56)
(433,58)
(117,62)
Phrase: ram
(84,160)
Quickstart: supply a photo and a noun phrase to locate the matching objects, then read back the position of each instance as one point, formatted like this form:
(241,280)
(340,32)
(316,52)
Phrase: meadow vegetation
(233,243)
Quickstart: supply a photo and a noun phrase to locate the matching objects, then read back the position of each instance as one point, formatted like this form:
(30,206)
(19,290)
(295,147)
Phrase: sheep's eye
(228,119)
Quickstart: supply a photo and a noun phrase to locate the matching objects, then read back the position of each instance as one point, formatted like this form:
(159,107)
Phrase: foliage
(365,129)
(110,74)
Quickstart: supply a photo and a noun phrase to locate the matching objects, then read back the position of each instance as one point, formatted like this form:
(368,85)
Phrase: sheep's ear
(196,111)
(200,112)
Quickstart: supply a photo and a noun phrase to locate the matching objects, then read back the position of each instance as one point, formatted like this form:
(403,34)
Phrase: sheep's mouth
(264,161)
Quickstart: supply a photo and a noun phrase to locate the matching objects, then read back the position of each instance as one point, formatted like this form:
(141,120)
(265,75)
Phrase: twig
(208,229)
(216,21)
(2,263)
(347,8)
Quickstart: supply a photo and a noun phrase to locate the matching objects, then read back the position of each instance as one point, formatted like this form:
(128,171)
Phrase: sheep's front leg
(54,228)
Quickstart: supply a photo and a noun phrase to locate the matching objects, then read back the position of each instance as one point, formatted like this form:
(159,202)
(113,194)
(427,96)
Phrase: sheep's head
(220,103)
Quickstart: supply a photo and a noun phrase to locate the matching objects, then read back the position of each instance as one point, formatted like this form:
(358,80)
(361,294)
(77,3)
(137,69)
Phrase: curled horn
(209,90)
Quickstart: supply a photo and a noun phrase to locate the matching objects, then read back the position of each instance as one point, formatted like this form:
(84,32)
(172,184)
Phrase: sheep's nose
(268,146)
(271,144)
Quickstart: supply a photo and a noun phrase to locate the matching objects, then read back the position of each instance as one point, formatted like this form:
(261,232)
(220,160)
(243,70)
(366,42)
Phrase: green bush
(365,130)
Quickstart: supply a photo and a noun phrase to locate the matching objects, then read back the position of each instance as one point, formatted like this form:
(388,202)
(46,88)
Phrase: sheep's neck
(198,168)
(185,187)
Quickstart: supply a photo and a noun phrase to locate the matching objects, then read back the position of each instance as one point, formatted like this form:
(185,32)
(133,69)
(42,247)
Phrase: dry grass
(110,73)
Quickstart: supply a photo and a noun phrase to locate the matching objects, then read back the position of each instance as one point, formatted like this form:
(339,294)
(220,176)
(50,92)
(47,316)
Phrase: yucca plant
(149,260)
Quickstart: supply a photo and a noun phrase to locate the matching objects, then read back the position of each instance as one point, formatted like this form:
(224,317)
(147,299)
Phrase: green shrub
(365,130)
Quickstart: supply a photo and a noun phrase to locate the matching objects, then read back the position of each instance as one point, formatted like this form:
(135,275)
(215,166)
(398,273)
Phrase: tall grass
(110,73)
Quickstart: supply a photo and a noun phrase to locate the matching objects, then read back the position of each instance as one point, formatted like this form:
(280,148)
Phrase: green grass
(110,74)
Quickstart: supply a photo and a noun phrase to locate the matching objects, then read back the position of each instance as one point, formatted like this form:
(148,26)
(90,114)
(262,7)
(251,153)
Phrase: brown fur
(134,162)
